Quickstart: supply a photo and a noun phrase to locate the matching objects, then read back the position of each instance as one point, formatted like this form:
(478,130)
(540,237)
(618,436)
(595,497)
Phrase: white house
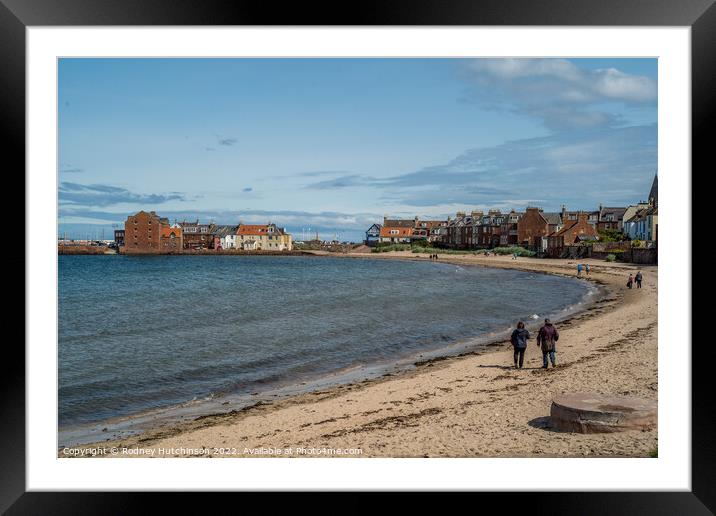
(229,242)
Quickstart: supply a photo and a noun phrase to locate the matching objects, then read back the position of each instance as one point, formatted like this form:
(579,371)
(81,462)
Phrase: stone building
(508,230)
(197,236)
(119,237)
(573,232)
(532,226)
(263,237)
(171,239)
(143,232)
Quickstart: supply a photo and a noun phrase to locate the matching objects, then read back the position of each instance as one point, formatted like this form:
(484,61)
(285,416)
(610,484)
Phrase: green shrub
(611,235)
(519,251)
(386,248)
(426,248)
(610,258)
(439,251)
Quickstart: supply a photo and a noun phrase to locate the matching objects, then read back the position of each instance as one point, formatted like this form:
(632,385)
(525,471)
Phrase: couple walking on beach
(638,278)
(581,267)
(546,339)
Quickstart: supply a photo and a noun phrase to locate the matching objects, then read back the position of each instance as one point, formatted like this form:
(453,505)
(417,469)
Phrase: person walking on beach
(630,281)
(519,341)
(586,268)
(638,279)
(579,269)
(546,340)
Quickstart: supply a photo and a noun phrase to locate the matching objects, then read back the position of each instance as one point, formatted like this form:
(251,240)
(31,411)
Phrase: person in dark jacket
(638,279)
(546,340)
(519,342)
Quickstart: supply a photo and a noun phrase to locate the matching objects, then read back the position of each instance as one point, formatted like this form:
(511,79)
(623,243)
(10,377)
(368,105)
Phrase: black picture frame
(700,15)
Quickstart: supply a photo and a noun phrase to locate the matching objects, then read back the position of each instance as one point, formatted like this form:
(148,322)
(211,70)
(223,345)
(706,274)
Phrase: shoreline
(146,420)
(212,429)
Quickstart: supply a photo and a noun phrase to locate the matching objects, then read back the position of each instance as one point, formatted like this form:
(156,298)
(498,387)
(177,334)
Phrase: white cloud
(557,91)
(613,84)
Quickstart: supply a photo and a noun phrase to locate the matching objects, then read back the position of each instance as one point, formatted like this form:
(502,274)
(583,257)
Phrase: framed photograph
(416,249)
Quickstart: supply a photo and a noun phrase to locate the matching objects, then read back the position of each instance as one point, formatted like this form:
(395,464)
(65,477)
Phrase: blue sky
(334,144)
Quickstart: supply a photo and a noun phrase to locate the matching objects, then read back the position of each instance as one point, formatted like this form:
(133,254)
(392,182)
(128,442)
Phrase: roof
(654,192)
(167,232)
(638,215)
(617,212)
(554,218)
(252,229)
(643,213)
(433,223)
(581,236)
(151,214)
(222,231)
(385,231)
(277,230)
(399,223)
(569,225)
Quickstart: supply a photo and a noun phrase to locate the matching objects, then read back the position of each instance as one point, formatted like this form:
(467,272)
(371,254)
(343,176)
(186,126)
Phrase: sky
(335,144)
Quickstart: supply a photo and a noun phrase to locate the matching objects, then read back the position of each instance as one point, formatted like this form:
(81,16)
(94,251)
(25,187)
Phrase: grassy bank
(421,249)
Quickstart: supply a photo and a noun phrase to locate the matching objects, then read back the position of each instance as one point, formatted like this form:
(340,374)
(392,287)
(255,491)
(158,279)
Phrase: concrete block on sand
(591,413)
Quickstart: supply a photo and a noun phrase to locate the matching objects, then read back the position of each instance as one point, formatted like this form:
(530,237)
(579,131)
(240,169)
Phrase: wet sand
(474,405)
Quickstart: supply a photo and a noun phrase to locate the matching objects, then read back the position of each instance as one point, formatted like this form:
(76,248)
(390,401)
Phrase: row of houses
(533,228)
(401,231)
(147,232)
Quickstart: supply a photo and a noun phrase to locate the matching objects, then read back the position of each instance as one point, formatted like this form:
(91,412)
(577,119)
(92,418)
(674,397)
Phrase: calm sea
(137,333)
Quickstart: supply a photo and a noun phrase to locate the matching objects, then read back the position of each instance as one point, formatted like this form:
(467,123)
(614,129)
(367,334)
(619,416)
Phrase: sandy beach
(475,405)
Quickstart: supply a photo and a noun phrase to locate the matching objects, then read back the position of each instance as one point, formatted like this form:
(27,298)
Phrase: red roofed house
(396,234)
(263,237)
(573,232)
(531,227)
